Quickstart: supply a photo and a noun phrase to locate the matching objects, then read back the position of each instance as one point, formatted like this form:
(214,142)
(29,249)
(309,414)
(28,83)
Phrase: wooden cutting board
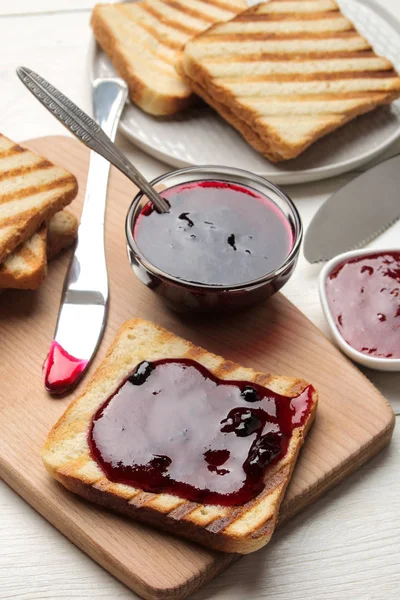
(353,422)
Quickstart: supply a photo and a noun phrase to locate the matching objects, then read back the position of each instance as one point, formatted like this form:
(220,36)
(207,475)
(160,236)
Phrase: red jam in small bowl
(216,233)
(231,239)
(364,299)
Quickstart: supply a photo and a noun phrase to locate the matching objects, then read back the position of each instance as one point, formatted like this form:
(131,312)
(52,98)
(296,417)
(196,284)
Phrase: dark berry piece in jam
(232,241)
(242,421)
(185,217)
(264,450)
(160,463)
(215,233)
(141,373)
(250,394)
(363,297)
(183,431)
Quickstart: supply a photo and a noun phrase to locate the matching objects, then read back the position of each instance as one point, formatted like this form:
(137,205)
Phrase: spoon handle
(87,131)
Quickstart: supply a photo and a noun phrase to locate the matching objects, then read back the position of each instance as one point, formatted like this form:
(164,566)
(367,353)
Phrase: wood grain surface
(353,423)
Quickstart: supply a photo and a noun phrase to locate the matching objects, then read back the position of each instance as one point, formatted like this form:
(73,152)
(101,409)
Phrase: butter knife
(84,301)
(355,214)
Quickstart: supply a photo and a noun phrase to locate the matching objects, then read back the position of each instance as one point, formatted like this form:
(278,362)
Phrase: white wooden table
(347,546)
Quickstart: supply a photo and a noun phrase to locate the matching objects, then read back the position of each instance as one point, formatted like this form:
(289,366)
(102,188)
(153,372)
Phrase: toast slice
(62,231)
(32,189)
(26,268)
(145,40)
(285,73)
(66,453)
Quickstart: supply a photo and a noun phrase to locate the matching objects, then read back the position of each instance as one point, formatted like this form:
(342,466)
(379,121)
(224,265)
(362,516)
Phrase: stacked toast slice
(145,40)
(284,73)
(32,192)
(26,268)
(67,456)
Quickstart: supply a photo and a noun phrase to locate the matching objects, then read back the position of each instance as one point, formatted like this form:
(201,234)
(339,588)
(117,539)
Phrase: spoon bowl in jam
(230,239)
(360,296)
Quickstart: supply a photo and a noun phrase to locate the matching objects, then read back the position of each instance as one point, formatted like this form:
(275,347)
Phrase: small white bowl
(372,362)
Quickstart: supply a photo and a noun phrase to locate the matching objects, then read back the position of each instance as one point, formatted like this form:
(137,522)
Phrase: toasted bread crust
(30,193)
(283,54)
(26,268)
(148,100)
(266,140)
(61,233)
(165,51)
(66,454)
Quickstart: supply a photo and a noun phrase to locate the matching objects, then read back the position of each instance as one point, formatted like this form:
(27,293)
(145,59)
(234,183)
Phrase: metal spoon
(87,131)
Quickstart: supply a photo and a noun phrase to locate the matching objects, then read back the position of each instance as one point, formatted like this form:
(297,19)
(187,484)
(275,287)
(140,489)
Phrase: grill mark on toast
(263,379)
(248,17)
(219,523)
(157,35)
(298,387)
(33,190)
(225,369)
(183,510)
(296,57)
(109,487)
(252,28)
(169,21)
(22,170)
(259,8)
(266,529)
(222,5)
(141,498)
(192,12)
(72,467)
(16,149)
(323,76)
(22,217)
(260,37)
(195,353)
(27,255)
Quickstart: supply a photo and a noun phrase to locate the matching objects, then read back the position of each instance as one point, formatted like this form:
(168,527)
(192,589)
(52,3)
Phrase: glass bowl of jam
(360,296)
(230,239)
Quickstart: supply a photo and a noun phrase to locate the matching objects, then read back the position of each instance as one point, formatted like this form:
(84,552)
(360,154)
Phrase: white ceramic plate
(372,362)
(199,136)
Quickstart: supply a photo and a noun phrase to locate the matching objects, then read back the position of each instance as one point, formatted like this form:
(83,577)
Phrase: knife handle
(109,97)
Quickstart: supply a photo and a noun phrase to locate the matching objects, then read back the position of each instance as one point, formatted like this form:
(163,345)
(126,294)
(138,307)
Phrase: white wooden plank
(346,546)
(54,46)
(29,7)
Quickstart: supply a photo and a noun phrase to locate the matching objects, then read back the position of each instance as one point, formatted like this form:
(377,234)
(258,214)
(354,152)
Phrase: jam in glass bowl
(230,240)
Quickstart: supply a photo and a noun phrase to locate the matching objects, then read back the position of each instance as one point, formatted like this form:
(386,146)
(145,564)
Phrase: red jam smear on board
(61,370)
(364,299)
(173,427)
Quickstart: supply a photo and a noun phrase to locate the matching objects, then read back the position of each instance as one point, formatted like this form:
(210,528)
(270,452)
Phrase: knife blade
(84,301)
(355,214)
